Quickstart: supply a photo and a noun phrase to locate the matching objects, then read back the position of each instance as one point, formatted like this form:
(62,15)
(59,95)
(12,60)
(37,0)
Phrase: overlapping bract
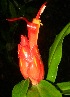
(30,63)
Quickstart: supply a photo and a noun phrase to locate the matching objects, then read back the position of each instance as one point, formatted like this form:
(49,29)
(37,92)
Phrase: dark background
(54,18)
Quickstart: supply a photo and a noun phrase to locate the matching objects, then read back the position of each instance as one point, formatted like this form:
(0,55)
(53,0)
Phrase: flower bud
(30,63)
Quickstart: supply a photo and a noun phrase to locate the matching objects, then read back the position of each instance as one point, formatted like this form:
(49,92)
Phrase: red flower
(30,63)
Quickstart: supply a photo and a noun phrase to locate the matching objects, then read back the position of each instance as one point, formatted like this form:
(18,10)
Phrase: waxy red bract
(30,62)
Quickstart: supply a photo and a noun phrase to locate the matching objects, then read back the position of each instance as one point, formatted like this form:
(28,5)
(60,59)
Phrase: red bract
(30,63)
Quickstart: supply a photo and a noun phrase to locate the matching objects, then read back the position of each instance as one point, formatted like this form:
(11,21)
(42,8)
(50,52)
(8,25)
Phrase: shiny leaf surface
(65,87)
(43,89)
(20,89)
(55,53)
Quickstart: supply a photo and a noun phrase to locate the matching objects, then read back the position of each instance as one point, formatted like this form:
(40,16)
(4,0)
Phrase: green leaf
(43,89)
(12,9)
(33,92)
(4,6)
(20,89)
(55,53)
(65,87)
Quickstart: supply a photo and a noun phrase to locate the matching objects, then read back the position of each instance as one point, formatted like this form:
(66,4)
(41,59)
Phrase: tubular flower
(30,63)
